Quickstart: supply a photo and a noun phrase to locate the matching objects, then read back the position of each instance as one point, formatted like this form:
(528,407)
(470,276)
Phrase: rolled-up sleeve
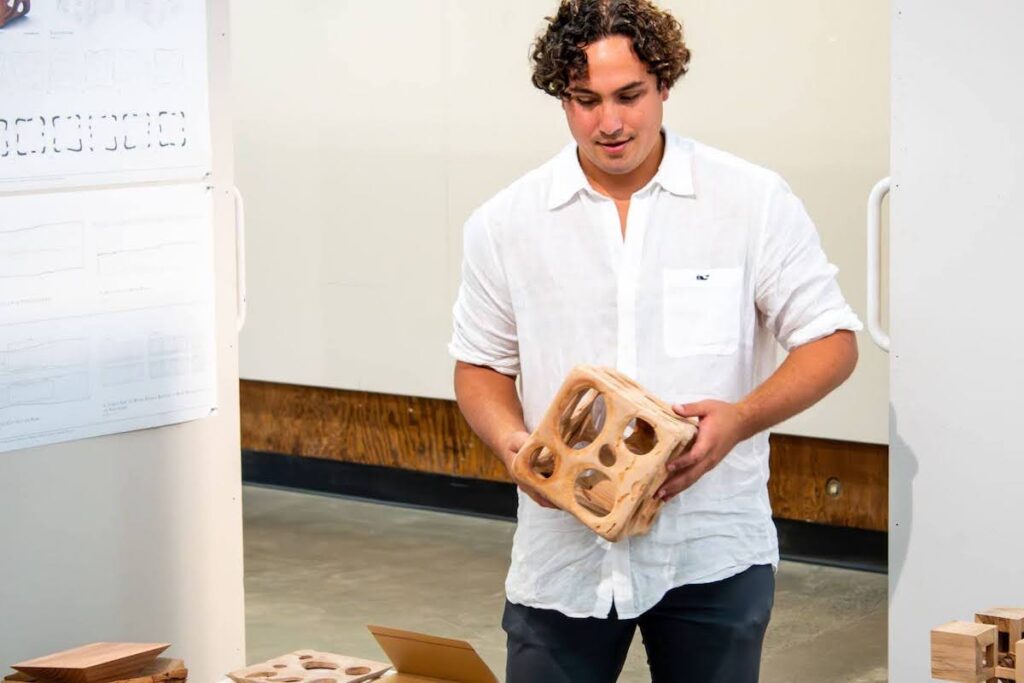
(484,322)
(797,290)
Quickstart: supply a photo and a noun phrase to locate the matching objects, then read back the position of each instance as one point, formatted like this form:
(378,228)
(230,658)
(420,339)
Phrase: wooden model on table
(309,666)
(600,451)
(991,648)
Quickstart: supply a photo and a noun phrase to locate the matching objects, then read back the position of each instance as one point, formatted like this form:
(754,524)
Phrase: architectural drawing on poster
(106,312)
(98,91)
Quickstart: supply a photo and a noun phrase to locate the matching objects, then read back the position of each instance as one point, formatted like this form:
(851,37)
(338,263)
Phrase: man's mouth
(615,145)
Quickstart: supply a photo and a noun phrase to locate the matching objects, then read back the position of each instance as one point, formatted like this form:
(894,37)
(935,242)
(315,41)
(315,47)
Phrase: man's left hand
(721,426)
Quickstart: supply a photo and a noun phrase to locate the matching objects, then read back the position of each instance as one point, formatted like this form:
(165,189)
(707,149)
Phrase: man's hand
(513,443)
(722,426)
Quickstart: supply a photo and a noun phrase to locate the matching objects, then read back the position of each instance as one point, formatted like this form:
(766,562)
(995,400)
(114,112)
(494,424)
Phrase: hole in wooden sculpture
(290,679)
(640,436)
(595,492)
(315,666)
(542,462)
(583,418)
(606,455)
(261,674)
(305,657)
(357,670)
(280,666)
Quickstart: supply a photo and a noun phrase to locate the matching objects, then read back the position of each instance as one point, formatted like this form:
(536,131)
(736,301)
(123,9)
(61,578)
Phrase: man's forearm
(490,404)
(807,375)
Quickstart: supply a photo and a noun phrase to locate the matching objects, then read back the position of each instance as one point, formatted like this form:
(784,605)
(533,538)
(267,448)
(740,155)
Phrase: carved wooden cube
(600,451)
(309,666)
(964,651)
(1009,623)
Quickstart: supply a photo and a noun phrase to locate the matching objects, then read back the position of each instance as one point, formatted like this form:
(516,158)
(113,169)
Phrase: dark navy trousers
(700,633)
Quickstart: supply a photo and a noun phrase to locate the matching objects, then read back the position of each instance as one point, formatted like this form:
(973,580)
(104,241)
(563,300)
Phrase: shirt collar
(675,174)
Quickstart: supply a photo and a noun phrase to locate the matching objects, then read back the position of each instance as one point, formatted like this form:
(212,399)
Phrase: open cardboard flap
(418,657)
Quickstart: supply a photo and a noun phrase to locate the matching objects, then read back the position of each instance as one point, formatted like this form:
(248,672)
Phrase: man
(681,266)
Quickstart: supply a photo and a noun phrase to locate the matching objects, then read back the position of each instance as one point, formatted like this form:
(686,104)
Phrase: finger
(538,499)
(680,482)
(696,409)
(697,452)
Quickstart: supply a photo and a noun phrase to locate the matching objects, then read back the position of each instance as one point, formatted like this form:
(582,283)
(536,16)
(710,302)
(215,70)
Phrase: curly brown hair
(558,53)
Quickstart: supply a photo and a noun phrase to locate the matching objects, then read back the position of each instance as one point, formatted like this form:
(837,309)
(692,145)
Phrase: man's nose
(610,124)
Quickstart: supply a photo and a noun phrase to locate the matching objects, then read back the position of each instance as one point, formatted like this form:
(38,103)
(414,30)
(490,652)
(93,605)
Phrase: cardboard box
(419,658)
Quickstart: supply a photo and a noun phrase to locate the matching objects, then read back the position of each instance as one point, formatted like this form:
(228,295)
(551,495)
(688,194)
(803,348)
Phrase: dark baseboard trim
(798,541)
(493,499)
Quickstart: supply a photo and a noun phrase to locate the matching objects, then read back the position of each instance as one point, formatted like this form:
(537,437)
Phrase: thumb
(695,409)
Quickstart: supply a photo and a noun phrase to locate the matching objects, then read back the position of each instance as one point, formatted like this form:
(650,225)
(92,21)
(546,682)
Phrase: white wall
(367,132)
(956,468)
(138,537)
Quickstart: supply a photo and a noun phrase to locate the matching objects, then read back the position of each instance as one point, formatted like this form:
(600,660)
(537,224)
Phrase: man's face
(615,113)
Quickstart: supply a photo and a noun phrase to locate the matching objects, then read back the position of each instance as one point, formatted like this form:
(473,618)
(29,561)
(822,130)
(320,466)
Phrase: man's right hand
(513,443)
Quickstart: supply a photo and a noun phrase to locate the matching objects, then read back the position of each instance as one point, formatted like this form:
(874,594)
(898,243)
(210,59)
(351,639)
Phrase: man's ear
(664,94)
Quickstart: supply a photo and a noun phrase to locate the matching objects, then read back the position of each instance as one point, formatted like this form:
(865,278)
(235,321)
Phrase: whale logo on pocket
(702,278)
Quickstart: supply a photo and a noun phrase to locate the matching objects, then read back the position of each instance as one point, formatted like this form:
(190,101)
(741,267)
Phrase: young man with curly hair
(681,266)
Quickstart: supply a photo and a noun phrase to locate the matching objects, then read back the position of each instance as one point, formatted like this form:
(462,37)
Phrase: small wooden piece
(18,8)
(309,666)
(600,451)
(1009,622)
(964,651)
(95,663)
(163,669)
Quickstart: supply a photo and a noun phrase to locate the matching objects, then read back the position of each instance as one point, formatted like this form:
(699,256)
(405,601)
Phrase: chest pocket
(701,311)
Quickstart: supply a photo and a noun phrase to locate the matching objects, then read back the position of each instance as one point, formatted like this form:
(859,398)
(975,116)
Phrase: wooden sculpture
(600,451)
(308,666)
(95,663)
(964,651)
(12,9)
(991,648)
(1009,623)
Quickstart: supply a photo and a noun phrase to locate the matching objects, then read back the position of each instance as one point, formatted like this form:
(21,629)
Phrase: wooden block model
(307,666)
(600,451)
(1009,623)
(163,669)
(95,663)
(964,651)
(12,9)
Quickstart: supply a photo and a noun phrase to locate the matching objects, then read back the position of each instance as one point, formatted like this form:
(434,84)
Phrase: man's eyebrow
(580,90)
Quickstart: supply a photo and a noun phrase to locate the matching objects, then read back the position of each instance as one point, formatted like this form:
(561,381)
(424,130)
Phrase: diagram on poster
(106,312)
(103,91)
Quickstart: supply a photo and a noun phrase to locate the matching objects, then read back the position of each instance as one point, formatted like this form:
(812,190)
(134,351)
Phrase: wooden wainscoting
(430,435)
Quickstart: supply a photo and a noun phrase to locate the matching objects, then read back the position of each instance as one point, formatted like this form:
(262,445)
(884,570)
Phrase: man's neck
(621,187)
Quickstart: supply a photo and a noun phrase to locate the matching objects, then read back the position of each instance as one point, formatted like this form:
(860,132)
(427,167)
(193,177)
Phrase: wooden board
(163,669)
(94,663)
(430,435)
(17,8)
(310,666)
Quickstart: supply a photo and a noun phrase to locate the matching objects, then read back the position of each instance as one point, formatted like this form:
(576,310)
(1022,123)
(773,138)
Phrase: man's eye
(584,102)
(630,98)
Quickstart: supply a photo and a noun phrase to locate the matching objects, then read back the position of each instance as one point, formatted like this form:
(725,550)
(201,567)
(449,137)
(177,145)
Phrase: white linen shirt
(719,260)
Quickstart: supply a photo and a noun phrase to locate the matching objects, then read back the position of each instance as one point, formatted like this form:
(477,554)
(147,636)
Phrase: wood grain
(93,663)
(430,435)
(800,471)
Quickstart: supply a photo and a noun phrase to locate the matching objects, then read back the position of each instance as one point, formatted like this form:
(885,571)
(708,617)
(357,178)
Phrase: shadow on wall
(902,471)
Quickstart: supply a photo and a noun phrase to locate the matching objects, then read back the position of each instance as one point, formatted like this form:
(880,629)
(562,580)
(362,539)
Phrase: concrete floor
(319,568)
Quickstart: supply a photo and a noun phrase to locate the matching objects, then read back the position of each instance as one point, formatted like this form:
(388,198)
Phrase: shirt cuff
(822,326)
(506,366)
